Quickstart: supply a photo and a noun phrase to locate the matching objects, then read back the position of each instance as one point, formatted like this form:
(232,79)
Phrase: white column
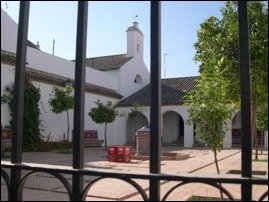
(188,134)
(227,142)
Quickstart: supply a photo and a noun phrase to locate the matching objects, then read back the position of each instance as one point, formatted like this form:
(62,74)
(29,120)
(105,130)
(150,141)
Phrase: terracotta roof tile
(172,92)
(108,63)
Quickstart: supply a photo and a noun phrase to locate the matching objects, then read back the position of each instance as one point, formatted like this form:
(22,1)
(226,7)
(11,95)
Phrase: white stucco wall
(9,30)
(43,61)
(59,66)
(127,74)
(7,79)
(55,125)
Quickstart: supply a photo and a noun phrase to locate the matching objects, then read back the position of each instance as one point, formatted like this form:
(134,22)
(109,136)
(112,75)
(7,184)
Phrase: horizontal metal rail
(169,177)
(183,179)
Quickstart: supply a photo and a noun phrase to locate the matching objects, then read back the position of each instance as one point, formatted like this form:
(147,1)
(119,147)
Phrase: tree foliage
(262,117)
(103,113)
(31,114)
(62,100)
(219,38)
(210,110)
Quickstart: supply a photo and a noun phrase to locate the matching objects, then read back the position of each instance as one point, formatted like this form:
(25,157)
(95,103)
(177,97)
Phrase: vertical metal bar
(246,189)
(79,102)
(155,106)
(17,127)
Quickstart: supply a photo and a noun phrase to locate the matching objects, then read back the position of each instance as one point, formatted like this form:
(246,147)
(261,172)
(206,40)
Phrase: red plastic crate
(112,153)
(127,153)
(119,154)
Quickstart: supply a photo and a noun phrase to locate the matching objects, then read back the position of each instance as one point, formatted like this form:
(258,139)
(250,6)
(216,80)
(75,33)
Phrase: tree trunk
(253,126)
(68,127)
(105,137)
(218,171)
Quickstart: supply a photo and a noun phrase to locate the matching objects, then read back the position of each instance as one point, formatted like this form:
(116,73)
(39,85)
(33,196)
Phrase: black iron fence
(57,172)
(15,183)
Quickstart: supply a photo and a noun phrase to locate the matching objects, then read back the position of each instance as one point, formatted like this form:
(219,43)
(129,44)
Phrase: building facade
(122,79)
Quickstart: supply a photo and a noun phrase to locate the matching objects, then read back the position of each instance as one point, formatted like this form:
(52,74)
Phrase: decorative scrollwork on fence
(128,180)
(5,177)
(263,196)
(216,185)
(56,175)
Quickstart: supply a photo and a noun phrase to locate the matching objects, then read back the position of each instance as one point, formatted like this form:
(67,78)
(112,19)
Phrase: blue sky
(107,25)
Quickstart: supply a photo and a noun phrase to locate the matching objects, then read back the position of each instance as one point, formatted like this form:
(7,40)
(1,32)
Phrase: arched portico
(173,129)
(136,121)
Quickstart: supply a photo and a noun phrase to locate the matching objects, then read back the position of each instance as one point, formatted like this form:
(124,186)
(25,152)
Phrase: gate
(76,191)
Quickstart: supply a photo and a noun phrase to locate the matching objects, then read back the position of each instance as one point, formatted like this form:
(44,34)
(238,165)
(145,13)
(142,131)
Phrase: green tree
(62,100)
(103,113)
(218,38)
(262,117)
(31,114)
(262,120)
(210,110)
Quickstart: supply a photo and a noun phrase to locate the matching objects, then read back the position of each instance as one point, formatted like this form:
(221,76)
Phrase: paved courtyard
(42,186)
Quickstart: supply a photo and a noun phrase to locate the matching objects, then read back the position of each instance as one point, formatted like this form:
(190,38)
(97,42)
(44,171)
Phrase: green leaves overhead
(218,38)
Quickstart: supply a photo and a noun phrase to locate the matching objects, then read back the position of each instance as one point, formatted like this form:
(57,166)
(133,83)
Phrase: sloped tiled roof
(172,92)
(108,63)
(8,57)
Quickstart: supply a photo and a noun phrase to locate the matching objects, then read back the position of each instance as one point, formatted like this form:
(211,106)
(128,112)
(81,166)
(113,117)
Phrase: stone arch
(136,121)
(173,129)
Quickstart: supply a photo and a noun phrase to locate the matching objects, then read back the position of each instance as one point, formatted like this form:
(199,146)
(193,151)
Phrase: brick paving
(42,186)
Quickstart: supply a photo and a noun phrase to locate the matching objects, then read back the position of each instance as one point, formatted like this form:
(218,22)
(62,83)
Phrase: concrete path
(45,187)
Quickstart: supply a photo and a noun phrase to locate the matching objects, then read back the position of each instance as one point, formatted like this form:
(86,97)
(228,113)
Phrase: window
(138,79)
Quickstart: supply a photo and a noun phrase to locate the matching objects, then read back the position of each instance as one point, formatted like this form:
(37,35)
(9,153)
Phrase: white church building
(122,79)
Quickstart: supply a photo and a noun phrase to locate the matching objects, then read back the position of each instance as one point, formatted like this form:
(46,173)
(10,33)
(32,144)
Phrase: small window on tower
(138,79)
(137,47)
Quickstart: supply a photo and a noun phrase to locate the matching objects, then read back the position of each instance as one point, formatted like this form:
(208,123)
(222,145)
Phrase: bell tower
(135,41)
